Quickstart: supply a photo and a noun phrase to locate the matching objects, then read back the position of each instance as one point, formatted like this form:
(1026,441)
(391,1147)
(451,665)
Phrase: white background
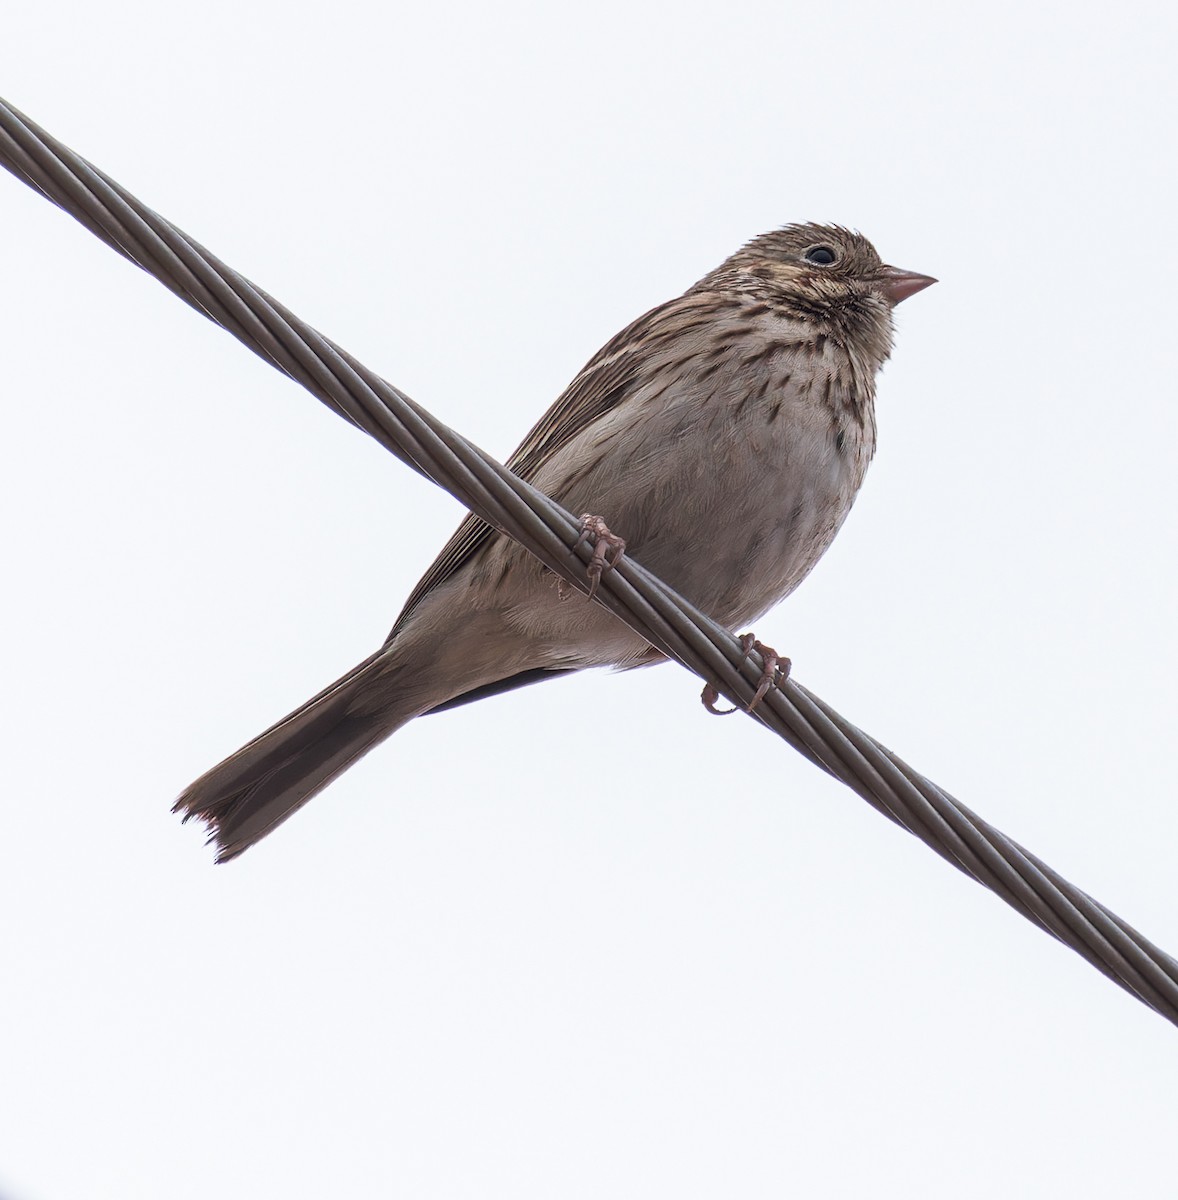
(584,940)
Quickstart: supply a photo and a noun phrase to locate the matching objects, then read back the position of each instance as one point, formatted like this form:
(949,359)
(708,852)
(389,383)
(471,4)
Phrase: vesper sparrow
(724,435)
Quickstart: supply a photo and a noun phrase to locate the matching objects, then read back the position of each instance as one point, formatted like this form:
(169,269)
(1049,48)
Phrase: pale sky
(477,967)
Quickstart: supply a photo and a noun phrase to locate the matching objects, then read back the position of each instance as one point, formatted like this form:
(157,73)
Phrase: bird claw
(773,665)
(594,529)
(708,698)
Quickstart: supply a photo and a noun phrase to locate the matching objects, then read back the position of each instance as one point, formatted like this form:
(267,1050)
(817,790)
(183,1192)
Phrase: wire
(659,615)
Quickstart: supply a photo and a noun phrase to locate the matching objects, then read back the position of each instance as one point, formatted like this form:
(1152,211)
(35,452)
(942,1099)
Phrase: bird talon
(708,698)
(593,571)
(773,666)
(594,528)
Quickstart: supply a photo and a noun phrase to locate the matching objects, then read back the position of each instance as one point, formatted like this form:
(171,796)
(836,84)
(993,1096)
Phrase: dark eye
(821,256)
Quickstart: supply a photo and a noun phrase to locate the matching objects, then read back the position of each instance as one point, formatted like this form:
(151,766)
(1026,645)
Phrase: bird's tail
(264,782)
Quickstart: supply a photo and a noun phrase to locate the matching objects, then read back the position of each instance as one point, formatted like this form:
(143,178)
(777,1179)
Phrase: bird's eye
(821,256)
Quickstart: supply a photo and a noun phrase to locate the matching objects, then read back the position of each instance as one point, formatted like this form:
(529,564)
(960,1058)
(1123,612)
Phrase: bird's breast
(729,484)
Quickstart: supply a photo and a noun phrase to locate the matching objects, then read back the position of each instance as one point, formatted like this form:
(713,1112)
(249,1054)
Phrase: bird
(719,439)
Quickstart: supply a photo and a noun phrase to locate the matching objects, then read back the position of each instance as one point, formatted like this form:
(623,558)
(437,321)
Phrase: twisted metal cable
(658,614)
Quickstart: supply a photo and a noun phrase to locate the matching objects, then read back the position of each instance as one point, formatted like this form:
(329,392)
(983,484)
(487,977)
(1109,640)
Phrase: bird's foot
(708,698)
(773,665)
(595,529)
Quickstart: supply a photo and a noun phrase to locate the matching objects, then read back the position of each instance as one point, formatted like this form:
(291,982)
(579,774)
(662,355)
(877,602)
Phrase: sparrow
(723,435)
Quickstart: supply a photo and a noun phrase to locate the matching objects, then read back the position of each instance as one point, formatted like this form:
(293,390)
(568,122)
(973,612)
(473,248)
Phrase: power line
(659,615)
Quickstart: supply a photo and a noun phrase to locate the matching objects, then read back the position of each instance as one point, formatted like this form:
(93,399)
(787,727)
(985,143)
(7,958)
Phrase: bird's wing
(602,384)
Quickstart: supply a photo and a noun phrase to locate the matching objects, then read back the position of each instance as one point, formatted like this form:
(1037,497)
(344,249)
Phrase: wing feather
(605,381)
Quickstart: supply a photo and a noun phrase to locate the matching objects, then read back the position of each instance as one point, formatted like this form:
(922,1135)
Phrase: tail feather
(257,788)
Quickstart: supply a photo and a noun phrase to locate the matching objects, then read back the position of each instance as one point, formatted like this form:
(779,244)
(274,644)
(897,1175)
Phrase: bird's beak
(898,285)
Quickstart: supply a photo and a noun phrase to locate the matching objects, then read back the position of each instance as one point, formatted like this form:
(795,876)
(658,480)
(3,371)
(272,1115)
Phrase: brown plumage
(724,435)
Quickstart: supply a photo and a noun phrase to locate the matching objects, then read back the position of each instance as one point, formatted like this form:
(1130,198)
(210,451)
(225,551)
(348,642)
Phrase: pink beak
(899,285)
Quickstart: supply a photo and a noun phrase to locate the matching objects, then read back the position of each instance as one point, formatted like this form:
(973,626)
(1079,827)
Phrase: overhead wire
(663,618)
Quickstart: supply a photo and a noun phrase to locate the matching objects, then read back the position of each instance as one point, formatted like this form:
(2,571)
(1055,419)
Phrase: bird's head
(822,274)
